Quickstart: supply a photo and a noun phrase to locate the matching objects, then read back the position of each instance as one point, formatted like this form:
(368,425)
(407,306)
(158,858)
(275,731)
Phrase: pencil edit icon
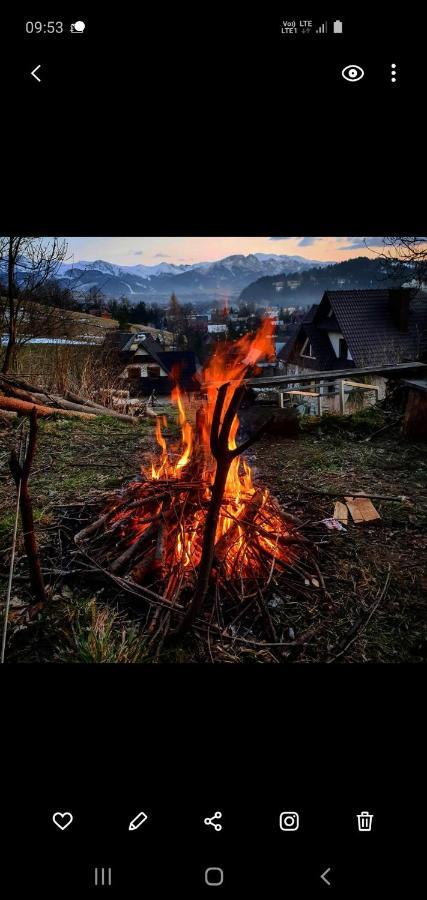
(138,821)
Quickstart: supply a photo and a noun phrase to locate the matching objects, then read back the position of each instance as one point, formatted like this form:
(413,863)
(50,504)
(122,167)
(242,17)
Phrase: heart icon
(62,819)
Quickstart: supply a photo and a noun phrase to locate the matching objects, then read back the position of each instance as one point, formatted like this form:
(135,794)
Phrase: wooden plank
(362,510)
(341,512)
(394,371)
(356,514)
(362,385)
(303,393)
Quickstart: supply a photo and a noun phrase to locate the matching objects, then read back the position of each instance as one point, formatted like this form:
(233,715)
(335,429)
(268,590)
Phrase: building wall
(144,370)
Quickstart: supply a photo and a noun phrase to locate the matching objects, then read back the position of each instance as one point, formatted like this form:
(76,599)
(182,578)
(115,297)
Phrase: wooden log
(20,382)
(24,408)
(77,404)
(22,395)
(66,404)
(90,529)
(81,401)
(122,560)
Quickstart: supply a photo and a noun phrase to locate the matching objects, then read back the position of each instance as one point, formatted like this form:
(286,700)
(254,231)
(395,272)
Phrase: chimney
(399,299)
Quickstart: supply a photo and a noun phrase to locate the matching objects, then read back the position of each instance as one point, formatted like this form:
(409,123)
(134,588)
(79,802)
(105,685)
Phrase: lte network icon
(77,27)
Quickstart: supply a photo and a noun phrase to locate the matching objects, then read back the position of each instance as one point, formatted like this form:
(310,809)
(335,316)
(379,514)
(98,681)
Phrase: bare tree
(30,262)
(405,259)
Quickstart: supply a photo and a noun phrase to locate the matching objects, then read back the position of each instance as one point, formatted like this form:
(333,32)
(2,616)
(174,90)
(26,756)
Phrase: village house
(148,367)
(359,328)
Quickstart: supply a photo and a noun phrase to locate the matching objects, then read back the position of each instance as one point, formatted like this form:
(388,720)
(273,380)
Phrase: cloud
(161,256)
(307,241)
(302,241)
(138,253)
(361,243)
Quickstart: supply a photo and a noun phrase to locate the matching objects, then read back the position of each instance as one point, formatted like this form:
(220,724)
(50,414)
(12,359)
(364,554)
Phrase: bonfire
(192,535)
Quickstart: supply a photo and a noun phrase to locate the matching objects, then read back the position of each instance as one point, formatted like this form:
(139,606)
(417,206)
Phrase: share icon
(211,821)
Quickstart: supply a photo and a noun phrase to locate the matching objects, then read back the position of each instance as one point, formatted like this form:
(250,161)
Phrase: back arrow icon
(34,73)
(324,878)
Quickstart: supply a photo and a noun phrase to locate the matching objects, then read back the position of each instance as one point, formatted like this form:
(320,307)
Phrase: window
(343,349)
(307,349)
(153,371)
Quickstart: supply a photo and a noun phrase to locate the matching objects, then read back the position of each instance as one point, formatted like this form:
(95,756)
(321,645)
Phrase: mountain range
(201,281)
(306,287)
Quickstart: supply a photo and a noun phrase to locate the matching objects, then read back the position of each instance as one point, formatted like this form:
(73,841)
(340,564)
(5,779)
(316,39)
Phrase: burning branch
(220,439)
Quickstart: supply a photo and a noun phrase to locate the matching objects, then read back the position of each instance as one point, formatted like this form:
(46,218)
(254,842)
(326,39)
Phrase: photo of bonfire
(215,455)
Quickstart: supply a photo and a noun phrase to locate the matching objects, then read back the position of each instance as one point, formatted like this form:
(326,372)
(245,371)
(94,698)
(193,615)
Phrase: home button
(214,876)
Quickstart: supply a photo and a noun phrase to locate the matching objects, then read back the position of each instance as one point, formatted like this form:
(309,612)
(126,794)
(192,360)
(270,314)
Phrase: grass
(76,629)
(77,461)
(363,421)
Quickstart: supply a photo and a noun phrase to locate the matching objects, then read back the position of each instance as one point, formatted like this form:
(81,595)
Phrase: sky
(130,251)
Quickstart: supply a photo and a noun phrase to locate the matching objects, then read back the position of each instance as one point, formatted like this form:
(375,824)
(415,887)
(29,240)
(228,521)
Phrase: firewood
(248,513)
(90,529)
(66,404)
(140,572)
(19,394)
(74,398)
(25,408)
(122,560)
(219,441)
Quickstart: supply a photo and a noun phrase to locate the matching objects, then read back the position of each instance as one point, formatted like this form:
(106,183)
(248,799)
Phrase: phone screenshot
(213,476)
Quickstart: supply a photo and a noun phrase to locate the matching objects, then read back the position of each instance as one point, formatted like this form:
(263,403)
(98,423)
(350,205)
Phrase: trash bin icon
(364,821)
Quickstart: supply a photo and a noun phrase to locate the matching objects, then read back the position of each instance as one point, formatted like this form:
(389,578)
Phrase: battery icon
(338,27)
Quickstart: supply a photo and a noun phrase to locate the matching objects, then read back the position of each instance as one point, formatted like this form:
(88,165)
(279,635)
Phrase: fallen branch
(340,493)
(24,408)
(20,473)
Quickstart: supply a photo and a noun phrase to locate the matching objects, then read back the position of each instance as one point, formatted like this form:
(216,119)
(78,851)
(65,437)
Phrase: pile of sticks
(158,539)
(18,396)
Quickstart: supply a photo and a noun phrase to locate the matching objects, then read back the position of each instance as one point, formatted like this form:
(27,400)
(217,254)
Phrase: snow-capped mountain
(106,268)
(218,278)
(205,280)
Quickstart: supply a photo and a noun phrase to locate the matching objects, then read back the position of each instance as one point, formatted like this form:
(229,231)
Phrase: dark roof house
(149,367)
(360,328)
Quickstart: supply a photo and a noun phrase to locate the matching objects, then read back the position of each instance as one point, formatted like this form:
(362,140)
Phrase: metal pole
(342,397)
(11,567)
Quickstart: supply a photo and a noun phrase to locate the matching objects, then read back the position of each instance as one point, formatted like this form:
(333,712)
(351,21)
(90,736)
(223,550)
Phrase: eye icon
(352,73)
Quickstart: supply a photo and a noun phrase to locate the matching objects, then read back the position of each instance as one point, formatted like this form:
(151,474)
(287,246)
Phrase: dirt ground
(373,608)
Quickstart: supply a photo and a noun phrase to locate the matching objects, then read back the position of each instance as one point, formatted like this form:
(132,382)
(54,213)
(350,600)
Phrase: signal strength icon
(322,29)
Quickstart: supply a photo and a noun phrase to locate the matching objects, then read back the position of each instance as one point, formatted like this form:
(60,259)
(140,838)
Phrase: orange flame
(230,363)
